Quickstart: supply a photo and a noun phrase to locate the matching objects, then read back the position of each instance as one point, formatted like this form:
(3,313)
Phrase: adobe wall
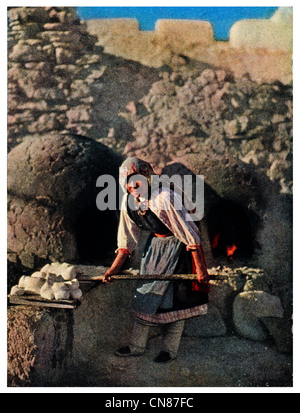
(260,47)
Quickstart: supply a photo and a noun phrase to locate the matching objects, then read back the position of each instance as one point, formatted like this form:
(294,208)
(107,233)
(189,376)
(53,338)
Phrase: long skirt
(162,302)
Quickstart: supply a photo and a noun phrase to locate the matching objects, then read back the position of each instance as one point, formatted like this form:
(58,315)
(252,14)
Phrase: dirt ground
(208,362)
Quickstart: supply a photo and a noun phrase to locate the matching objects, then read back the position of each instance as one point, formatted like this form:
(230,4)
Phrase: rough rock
(249,307)
(212,116)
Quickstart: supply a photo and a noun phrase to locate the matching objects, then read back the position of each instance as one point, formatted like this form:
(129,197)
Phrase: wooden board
(38,301)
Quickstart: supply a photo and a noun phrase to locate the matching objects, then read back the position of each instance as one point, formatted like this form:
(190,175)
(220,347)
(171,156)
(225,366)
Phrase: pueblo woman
(173,247)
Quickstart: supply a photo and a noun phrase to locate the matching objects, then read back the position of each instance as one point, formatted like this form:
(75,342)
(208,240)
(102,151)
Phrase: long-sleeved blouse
(167,206)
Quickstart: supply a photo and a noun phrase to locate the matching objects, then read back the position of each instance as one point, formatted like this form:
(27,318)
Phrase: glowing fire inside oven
(230,249)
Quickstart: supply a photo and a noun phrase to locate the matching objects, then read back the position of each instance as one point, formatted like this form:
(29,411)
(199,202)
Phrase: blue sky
(221,18)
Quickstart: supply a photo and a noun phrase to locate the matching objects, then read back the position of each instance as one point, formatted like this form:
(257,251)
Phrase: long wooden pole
(157,277)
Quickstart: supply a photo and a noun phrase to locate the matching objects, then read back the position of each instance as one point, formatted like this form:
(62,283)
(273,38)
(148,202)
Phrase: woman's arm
(200,266)
(116,265)
(128,237)
(128,232)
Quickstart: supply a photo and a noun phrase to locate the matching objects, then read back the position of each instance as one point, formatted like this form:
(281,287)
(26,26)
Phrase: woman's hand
(107,277)
(203,277)
(116,266)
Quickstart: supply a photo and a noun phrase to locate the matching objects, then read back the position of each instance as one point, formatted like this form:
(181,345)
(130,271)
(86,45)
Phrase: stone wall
(60,81)
(262,48)
(48,81)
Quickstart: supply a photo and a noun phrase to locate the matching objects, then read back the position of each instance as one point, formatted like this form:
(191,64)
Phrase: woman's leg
(139,337)
(137,341)
(171,339)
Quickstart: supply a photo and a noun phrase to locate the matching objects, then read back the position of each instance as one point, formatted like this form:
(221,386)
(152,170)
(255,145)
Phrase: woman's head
(135,174)
(137,185)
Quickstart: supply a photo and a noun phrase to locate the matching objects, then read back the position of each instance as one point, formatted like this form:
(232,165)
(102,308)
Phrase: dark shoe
(164,357)
(126,352)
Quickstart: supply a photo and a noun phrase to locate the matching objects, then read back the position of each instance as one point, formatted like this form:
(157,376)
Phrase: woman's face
(137,186)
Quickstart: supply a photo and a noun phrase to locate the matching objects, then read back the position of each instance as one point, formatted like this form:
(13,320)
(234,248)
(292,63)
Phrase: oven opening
(232,231)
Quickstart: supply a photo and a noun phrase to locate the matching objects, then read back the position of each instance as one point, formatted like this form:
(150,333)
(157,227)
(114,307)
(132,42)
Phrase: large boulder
(52,212)
(248,310)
